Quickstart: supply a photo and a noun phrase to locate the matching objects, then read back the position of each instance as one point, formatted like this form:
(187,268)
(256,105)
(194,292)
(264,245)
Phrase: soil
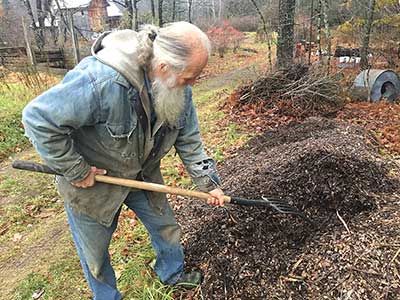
(332,171)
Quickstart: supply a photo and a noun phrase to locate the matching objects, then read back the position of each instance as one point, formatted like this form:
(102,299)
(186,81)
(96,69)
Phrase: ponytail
(146,37)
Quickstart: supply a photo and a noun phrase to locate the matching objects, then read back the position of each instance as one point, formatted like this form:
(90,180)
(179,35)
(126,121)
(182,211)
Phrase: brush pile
(295,91)
(333,172)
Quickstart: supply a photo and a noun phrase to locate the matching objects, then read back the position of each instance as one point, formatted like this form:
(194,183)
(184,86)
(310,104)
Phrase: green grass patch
(56,282)
(31,284)
(13,98)
(26,200)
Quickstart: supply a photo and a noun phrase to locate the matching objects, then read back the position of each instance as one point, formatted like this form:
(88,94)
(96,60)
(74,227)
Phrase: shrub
(224,37)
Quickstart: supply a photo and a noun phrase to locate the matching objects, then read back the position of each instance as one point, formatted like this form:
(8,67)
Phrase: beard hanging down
(169,101)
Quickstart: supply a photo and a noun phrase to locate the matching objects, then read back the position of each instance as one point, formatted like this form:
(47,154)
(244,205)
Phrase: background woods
(300,29)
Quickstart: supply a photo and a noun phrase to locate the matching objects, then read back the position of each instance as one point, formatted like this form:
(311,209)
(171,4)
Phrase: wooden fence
(16,57)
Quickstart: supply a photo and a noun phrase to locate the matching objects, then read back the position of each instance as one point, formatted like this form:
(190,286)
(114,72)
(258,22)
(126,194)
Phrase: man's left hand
(217,197)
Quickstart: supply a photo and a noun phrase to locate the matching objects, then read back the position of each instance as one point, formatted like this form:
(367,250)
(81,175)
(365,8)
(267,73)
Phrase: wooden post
(74,39)
(31,57)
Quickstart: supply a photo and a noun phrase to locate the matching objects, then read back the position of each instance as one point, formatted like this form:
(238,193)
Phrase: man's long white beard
(168,102)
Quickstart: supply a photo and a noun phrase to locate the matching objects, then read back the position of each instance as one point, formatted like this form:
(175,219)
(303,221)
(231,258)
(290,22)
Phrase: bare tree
(38,39)
(41,16)
(310,31)
(173,10)
(367,34)
(265,32)
(153,11)
(160,13)
(285,33)
(319,29)
(135,11)
(190,4)
(129,14)
(327,34)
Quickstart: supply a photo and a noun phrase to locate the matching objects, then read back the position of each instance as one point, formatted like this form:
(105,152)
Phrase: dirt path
(38,249)
(33,244)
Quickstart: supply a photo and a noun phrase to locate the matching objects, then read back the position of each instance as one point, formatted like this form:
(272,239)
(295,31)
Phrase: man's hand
(217,197)
(90,178)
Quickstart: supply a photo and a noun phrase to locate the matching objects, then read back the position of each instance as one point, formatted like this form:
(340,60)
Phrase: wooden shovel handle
(154,187)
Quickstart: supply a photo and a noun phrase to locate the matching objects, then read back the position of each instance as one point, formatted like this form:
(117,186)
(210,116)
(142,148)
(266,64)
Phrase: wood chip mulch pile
(333,172)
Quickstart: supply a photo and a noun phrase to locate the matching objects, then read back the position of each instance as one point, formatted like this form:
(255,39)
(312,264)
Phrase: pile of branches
(296,91)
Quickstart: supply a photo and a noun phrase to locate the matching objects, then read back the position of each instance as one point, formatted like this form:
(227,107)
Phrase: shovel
(271,202)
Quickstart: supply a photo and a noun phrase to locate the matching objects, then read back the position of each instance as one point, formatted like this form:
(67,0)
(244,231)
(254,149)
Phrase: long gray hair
(168,44)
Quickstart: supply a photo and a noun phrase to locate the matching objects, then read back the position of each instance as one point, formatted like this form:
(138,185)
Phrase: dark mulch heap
(326,168)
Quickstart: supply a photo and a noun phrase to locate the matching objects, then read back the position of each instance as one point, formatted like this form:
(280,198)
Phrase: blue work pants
(92,241)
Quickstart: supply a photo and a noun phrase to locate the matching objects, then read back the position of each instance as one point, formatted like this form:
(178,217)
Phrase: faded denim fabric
(92,240)
(90,119)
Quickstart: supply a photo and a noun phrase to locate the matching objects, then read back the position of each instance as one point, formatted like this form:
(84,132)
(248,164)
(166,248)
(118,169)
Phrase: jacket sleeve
(50,119)
(190,149)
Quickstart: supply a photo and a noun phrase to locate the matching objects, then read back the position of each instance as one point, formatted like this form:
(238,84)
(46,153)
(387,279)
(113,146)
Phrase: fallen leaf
(17,237)
(37,294)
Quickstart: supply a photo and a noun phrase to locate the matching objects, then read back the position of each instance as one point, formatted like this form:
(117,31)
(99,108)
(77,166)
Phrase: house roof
(73,3)
(113,10)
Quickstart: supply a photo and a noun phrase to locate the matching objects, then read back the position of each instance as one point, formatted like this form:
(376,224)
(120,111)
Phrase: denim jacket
(89,119)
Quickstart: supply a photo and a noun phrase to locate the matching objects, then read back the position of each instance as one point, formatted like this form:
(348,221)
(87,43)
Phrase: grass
(25,201)
(13,98)
(54,282)
(11,132)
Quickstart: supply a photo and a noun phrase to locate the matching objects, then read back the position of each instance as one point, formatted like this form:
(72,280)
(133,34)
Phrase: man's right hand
(90,178)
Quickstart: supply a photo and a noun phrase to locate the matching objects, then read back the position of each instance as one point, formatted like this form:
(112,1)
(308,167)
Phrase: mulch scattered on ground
(381,117)
(333,172)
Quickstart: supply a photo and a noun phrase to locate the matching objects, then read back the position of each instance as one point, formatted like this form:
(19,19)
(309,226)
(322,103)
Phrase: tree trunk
(136,22)
(327,34)
(286,33)
(160,13)
(319,30)
(34,27)
(173,10)
(310,31)
(53,30)
(153,11)
(190,2)
(41,15)
(367,34)
(129,9)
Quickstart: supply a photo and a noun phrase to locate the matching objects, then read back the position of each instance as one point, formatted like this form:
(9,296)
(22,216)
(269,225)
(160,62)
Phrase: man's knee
(95,268)
(171,233)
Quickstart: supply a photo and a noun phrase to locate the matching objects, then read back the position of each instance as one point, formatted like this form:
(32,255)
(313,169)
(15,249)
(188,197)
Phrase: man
(120,111)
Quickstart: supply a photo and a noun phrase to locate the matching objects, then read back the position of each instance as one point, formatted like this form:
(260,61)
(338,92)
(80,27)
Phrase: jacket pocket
(119,137)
